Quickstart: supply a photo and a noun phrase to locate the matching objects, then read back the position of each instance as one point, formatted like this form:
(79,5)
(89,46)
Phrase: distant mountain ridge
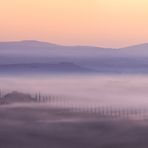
(36,68)
(34,47)
(43,48)
(49,57)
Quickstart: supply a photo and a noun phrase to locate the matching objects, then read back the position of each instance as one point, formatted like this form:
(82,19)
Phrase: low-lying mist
(109,90)
(74,111)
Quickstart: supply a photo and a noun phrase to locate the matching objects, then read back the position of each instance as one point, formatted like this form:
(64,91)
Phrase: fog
(106,90)
(36,125)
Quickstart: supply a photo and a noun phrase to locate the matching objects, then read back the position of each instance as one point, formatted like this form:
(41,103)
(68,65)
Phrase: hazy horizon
(56,43)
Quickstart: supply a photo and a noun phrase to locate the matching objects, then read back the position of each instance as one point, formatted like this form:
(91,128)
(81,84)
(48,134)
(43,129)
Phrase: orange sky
(108,23)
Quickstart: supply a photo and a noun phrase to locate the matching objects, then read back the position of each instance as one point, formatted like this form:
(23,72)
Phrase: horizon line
(72,45)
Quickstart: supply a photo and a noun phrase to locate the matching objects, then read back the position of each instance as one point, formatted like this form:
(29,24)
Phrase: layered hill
(36,55)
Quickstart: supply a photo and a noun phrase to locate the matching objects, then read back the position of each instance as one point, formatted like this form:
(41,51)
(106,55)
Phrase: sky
(107,23)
